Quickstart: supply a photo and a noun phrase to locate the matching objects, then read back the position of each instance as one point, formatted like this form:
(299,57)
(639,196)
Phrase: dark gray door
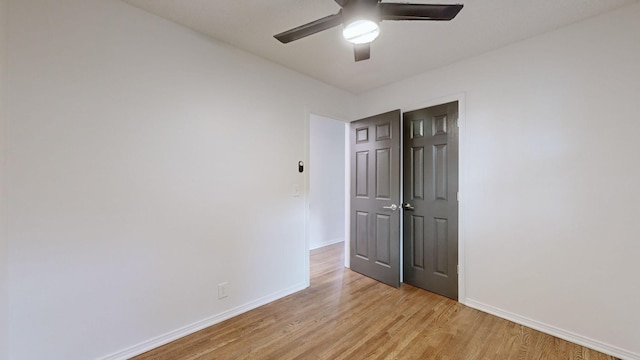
(375,197)
(430,192)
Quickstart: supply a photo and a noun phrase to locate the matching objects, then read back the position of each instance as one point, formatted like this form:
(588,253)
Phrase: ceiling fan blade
(311,28)
(347,3)
(362,51)
(395,11)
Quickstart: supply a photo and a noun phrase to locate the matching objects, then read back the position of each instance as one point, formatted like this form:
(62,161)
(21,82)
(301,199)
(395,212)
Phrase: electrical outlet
(222,290)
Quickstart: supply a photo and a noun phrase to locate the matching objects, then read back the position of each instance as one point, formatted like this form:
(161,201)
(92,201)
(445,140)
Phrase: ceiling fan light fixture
(361,31)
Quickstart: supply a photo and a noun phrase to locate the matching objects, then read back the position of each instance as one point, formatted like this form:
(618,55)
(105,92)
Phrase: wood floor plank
(344,315)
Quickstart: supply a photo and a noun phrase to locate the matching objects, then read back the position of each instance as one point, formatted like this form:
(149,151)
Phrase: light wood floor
(344,315)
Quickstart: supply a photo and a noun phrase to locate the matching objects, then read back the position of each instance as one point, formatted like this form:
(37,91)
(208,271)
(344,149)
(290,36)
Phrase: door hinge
(458,196)
(457,269)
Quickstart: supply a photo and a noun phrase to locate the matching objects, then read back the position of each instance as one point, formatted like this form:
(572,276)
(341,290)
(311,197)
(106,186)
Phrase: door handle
(392,207)
(408,206)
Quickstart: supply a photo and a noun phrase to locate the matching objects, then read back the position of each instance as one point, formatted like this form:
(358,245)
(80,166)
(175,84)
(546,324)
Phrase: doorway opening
(326,223)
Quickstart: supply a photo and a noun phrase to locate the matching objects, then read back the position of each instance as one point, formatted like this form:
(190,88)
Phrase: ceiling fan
(361,17)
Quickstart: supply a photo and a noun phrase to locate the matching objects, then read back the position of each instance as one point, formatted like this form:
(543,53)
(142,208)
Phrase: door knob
(408,206)
(392,207)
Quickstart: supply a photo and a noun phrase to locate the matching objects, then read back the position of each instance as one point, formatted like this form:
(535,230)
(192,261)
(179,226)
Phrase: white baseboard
(554,331)
(325,243)
(199,325)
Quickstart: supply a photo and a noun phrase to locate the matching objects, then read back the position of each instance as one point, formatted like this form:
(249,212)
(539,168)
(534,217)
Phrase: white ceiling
(403,48)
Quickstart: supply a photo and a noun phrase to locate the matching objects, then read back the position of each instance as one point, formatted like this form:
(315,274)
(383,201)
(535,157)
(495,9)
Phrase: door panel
(362,174)
(430,188)
(417,236)
(383,240)
(375,184)
(362,235)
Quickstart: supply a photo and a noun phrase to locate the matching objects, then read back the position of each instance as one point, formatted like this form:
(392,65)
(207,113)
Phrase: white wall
(549,184)
(4,294)
(326,173)
(146,164)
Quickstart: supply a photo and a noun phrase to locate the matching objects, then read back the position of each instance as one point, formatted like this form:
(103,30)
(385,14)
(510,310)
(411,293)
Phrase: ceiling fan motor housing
(360,10)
